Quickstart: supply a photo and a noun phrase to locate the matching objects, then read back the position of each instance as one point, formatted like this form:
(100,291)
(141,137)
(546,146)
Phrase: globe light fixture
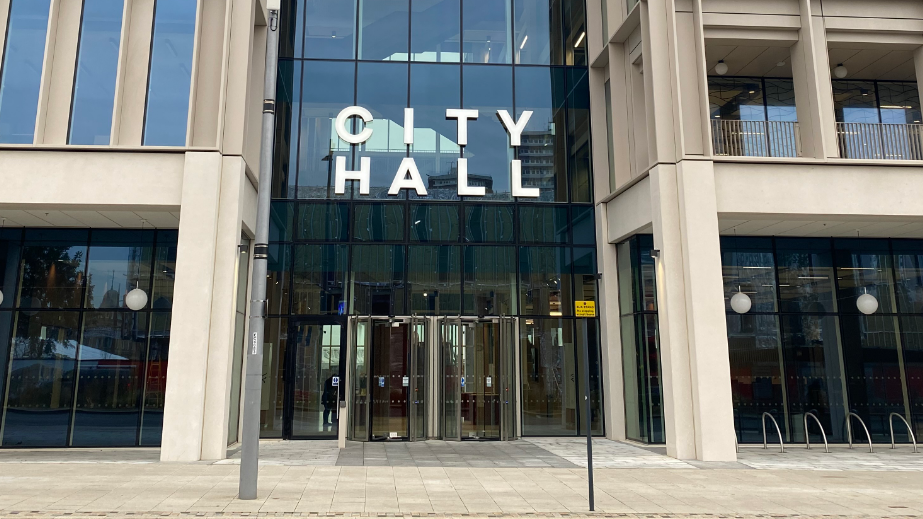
(721,68)
(840,71)
(867,303)
(741,302)
(136,299)
(1,297)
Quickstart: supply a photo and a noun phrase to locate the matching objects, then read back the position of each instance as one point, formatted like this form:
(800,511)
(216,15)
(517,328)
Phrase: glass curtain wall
(23,57)
(439,254)
(753,116)
(805,347)
(644,420)
(878,119)
(80,368)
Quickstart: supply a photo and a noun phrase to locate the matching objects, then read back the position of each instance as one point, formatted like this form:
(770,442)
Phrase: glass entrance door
(478,386)
(388,379)
(313,378)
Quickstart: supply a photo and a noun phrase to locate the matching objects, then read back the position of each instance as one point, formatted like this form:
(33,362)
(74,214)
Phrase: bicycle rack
(849,430)
(778,431)
(909,430)
(807,436)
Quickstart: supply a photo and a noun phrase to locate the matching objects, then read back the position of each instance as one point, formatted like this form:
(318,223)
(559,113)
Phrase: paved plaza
(541,477)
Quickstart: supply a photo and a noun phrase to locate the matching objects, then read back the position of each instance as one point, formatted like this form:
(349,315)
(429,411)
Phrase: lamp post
(250,430)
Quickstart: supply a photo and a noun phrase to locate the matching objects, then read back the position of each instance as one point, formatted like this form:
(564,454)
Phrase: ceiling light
(867,304)
(741,302)
(721,68)
(780,64)
(840,71)
(580,39)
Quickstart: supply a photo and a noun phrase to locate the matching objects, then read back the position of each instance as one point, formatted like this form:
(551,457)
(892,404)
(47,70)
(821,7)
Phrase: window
(170,73)
(24,53)
(97,64)
(84,370)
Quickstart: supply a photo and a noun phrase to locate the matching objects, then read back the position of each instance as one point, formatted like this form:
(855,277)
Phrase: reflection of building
(450,180)
(537,156)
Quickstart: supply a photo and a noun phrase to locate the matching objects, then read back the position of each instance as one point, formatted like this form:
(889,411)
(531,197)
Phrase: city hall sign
(408,176)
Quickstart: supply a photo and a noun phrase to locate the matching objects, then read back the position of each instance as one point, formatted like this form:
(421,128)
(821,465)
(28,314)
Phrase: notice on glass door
(406,381)
(490,382)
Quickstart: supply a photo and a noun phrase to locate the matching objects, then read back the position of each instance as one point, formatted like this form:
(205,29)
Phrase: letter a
(365,168)
(415,182)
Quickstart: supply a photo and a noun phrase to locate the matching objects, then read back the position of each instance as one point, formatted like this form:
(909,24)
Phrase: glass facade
(885,102)
(97,63)
(805,347)
(23,57)
(440,254)
(77,367)
(641,372)
(170,76)
(753,116)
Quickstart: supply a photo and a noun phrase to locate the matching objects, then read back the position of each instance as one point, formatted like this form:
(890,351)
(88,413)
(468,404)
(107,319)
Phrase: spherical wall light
(867,304)
(721,68)
(136,299)
(741,303)
(840,71)
(1,297)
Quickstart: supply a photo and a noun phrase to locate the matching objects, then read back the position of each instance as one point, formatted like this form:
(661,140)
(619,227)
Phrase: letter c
(354,111)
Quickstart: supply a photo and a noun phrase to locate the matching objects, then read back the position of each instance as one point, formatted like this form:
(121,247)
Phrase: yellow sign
(585,308)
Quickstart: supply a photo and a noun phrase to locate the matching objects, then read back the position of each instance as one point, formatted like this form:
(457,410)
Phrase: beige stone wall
(668,181)
(206,188)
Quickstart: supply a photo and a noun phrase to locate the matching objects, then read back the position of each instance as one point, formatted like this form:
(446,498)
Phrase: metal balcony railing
(880,141)
(756,138)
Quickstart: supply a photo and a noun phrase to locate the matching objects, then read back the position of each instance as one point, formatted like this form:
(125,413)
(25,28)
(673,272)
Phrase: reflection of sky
(388,136)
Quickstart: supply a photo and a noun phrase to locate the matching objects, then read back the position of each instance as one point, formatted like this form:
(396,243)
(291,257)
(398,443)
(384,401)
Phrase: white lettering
(462,116)
(401,181)
(518,190)
(354,111)
(365,168)
(514,128)
(408,125)
(463,188)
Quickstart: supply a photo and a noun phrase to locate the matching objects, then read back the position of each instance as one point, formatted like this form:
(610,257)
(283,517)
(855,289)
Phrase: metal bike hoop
(909,430)
(778,431)
(807,435)
(849,430)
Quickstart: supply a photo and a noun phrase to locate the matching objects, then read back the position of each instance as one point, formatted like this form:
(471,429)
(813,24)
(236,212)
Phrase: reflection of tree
(52,277)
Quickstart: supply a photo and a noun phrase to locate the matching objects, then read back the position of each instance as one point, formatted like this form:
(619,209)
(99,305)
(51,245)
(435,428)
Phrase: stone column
(693,333)
(192,308)
(223,310)
(813,89)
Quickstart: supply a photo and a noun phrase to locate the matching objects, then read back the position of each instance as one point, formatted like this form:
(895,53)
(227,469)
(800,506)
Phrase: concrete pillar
(813,90)
(221,343)
(610,329)
(693,334)
(192,308)
(663,117)
(679,424)
(918,68)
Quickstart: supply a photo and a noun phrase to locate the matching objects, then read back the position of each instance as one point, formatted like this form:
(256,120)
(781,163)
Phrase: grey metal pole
(250,431)
(589,416)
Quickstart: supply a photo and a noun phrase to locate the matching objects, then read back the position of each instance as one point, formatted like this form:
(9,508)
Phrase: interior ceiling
(894,65)
(750,61)
(822,228)
(91,219)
